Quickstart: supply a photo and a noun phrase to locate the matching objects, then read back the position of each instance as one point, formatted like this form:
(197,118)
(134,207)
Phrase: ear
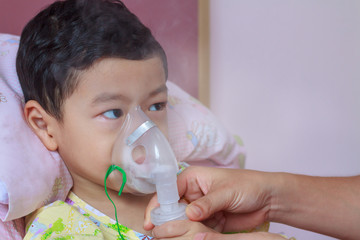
(42,124)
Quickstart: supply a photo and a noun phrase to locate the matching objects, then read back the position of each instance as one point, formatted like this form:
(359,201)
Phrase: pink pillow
(197,137)
(31,176)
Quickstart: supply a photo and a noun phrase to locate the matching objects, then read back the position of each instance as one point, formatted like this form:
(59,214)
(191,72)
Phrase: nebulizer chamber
(144,153)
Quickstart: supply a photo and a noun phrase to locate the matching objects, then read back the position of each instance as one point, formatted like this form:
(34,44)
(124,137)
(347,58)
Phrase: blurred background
(282,74)
(285,76)
(173,23)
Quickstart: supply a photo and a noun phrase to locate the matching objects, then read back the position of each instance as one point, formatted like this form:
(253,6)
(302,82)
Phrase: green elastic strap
(110,170)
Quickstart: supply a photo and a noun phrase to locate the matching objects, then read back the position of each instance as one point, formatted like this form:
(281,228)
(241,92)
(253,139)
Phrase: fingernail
(195,211)
(200,236)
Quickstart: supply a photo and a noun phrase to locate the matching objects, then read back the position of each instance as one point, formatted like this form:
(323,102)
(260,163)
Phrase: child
(83,65)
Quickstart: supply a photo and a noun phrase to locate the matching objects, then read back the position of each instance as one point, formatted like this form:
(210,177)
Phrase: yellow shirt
(74,219)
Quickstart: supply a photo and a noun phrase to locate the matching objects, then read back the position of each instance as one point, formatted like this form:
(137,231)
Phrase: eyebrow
(108,97)
(162,88)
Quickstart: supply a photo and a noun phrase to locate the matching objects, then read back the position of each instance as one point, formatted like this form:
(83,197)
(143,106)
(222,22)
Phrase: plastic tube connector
(168,212)
(168,197)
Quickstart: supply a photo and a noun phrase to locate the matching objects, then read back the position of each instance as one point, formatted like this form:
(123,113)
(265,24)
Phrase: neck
(130,208)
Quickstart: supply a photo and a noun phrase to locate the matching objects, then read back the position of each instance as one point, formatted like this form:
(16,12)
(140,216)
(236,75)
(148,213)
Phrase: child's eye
(113,113)
(157,106)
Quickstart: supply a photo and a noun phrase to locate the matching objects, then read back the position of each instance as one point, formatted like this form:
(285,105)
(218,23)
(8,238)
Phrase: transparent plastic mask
(143,152)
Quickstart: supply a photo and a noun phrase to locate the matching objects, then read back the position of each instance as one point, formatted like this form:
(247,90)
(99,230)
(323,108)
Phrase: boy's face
(94,113)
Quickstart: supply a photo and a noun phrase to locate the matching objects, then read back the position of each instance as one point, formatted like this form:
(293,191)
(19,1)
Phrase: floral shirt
(75,219)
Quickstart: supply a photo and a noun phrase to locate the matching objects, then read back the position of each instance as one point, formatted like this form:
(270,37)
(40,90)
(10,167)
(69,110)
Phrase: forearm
(326,205)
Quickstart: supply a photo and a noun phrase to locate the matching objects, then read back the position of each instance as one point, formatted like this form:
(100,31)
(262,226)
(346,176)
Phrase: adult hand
(244,199)
(239,198)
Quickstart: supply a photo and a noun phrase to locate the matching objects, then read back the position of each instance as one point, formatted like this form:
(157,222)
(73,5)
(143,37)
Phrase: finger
(243,221)
(220,225)
(170,229)
(153,203)
(195,180)
(239,236)
(207,205)
(193,191)
(186,180)
(216,222)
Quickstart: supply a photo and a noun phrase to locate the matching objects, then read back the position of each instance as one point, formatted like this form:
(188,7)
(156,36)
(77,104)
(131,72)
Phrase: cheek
(162,124)
(164,129)
(84,153)
(160,119)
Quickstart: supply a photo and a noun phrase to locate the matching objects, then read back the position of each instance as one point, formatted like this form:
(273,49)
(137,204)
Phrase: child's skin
(92,118)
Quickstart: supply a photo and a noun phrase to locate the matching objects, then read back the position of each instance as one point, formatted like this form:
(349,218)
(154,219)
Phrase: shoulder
(60,219)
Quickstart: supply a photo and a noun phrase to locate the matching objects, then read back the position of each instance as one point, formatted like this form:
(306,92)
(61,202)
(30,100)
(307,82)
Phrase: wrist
(280,186)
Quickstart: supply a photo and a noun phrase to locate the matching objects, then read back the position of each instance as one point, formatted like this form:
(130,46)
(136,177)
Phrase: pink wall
(174,23)
(285,76)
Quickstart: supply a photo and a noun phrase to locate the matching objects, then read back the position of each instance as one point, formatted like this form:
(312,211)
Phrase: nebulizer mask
(142,153)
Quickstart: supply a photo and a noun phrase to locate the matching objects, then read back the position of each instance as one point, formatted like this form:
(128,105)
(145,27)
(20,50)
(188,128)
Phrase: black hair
(70,36)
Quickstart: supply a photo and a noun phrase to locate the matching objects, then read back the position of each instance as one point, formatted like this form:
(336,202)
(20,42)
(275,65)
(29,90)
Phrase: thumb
(239,236)
(207,205)
(147,217)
